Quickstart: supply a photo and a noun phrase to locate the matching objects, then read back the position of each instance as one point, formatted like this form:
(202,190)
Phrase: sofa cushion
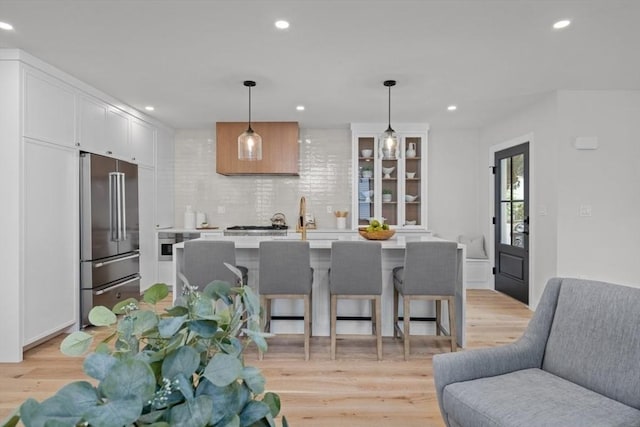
(594,339)
(530,398)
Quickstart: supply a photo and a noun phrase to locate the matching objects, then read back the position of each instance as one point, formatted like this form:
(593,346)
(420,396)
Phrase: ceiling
(189,58)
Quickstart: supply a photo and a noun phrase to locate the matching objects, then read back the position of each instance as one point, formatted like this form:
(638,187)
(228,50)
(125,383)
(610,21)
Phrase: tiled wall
(325,180)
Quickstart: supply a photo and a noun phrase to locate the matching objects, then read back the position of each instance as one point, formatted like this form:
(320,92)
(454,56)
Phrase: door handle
(119,285)
(102,264)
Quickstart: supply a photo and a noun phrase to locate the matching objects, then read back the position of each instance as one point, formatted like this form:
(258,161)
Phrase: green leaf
(223,369)
(203,328)
(185,386)
(76,344)
(284,422)
(253,412)
(169,326)
(254,379)
(144,321)
(218,290)
(185,360)
(235,271)
(118,412)
(251,301)
(55,408)
(272,400)
(78,397)
(232,420)
(195,413)
(129,377)
(228,400)
(152,418)
(123,306)
(12,420)
(177,311)
(203,308)
(258,338)
(102,316)
(156,293)
(97,365)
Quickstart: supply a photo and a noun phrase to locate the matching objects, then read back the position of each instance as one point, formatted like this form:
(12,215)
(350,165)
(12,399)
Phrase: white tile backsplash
(325,180)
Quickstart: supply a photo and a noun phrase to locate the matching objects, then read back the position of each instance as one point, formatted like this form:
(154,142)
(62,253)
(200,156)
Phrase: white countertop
(292,231)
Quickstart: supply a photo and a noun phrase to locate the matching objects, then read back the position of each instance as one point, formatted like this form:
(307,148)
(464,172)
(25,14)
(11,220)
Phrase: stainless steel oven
(166,241)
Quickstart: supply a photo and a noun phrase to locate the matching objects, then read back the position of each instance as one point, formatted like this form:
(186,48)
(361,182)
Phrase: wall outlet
(585,210)
(221,209)
(329,209)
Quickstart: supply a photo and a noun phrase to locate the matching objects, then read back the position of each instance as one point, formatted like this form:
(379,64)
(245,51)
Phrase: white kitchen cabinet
(50,224)
(146,203)
(142,143)
(164,178)
(391,187)
(103,129)
(49,109)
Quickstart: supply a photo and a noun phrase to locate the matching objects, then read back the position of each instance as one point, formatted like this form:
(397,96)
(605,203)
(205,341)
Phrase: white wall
(538,121)
(453,195)
(605,245)
(325,180)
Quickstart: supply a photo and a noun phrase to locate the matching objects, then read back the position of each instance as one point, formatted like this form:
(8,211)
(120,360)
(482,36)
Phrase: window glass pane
(517,209)
(505,226)
(517,177)
(505,175)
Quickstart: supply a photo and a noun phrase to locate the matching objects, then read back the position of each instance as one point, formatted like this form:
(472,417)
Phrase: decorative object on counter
(411,175)
(387,195)
(388,171)
(366,152)
(410,198)
(341,219)
(376,230)
(367,172)
(166,367)
(249,142)
(411,151)
(389,139)
(201,219)
(189,218)
(279,220)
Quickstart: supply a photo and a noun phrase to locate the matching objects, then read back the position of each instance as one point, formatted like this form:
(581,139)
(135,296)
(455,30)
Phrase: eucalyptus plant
(181,366)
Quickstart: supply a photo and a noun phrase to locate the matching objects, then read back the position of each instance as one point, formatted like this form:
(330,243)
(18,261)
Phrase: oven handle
(101,264)
(119,285)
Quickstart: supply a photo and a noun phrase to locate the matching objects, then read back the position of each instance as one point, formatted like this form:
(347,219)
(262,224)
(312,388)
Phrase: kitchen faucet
(301,226)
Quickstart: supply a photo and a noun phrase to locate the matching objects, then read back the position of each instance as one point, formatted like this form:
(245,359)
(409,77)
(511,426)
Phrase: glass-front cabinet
(390,184)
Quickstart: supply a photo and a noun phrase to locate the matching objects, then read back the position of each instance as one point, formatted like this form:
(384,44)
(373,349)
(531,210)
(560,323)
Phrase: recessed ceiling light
(300,108)
(6,26)
(282,25)
(562,24)
(452,108)
(149,108)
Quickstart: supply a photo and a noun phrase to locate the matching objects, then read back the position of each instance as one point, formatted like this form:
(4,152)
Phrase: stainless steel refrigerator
(109,232)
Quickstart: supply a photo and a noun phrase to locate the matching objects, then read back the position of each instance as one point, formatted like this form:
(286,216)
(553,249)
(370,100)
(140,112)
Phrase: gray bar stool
(285,273)
(356,273)
(429,273)
(204,262)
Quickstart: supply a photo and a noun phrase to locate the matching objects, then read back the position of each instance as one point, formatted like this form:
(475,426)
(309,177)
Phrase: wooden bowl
(376,235)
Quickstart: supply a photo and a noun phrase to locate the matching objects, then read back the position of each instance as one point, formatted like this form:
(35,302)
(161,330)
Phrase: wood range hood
(280,149)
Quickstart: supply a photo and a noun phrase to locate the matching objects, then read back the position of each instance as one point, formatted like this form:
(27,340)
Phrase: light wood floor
(355,390)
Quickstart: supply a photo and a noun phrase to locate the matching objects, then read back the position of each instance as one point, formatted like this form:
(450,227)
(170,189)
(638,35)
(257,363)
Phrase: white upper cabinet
(143,137)
(117,135)
(92,125)
(164,179)
(49,109)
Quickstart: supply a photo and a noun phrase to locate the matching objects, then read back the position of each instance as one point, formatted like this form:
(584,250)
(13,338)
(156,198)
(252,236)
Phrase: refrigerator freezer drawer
(94,274)
(109,296)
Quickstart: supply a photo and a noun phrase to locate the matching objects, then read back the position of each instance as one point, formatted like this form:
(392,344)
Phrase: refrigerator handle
(113,206)
(123,207)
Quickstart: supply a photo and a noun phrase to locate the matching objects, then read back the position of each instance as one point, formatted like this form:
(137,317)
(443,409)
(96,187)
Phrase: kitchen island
(320,245)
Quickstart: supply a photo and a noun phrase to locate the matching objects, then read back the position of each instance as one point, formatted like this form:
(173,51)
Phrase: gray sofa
(577,364)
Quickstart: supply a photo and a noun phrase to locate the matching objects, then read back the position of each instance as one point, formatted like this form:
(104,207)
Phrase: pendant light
(389,140)
(249,143)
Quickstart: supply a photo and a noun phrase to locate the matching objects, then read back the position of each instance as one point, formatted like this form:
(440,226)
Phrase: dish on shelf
(376,235)
(411,222)
(388,171)
(411,175)
(410,198)
(366,153)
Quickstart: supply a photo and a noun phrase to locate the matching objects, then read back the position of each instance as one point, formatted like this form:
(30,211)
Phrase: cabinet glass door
(389,195)
(366,182)
(413,180)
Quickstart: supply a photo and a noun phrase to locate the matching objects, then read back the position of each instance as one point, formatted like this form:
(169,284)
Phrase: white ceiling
(189,58)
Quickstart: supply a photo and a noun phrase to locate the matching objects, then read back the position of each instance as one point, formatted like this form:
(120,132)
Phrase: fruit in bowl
(376,230)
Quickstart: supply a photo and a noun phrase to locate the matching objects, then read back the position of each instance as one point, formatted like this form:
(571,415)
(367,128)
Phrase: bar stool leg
(438,316)
(395,313)
(378,327)
(451,305)
(333,309)
(406,323)
(264,302)
(307,325)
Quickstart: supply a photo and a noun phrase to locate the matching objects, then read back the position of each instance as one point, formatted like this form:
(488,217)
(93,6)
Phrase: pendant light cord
(389,107)
(250,109)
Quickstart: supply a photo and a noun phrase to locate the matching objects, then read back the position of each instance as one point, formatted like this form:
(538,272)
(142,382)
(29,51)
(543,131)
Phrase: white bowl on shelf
(411,175)
(411,222)
(388,171)
(366,153)
(410,198)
